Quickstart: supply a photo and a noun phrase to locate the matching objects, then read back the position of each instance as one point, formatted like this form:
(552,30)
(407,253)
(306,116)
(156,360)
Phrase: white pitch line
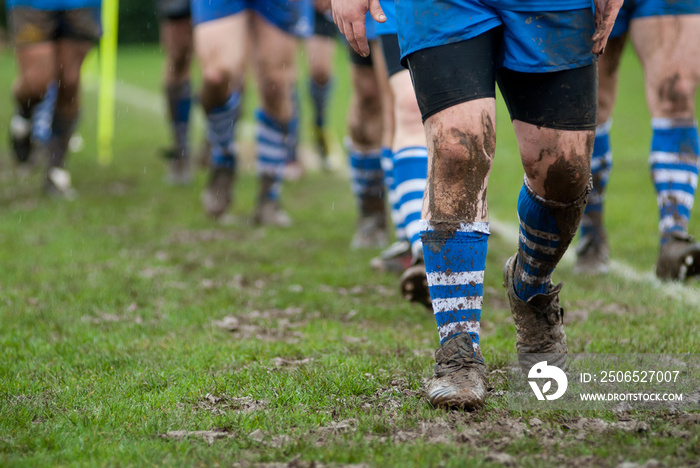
(153,102)
(673,290)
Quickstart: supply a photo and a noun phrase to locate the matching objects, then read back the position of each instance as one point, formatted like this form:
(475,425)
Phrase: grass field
(135,331)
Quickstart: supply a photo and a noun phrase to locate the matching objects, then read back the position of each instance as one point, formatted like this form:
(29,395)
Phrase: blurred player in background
(545,65)
(370,122)
(222,32)
(320,49)
(51,39)
(665,35)
(176,39)
(409,161)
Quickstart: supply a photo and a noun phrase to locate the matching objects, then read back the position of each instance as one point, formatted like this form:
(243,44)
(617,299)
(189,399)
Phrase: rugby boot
(459,376)
(592,255)
(179,168)
(217,195)
(539,323)
(371,232)
(21,138)
(396,258)
(58,184)
(679,257)
(268,211)
(414,283)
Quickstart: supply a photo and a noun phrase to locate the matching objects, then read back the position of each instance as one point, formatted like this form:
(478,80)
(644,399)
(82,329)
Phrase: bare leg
(666,45)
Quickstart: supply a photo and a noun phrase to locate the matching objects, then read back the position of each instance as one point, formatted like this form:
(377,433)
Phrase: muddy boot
(396,258)
(216,197)
(179,171)
(679,257)
(459,376)
(592,252)
(539,323)
(58,184)
(371,232)
(592,256)
(414,283)
(268,212)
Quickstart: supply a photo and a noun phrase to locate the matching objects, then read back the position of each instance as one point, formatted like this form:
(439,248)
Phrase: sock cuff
(667,123)
(450,227)
(275,124)
(411,152)
(604,128)
(552,204)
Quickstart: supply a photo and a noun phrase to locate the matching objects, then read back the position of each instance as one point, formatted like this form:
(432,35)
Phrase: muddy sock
(42,117)
(366,175)
(221,122)
(179,105)
(674,170)
(387,161)
(410,173)
(62,129)
(546,230)
(291,136)
(455,258)
(319,96)
(601,165)
(273,153)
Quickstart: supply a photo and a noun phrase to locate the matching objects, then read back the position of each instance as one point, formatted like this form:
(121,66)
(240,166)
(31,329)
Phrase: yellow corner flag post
(108,73)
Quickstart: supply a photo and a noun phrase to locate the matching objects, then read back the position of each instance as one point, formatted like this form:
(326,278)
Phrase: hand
(605,15)
(349,16)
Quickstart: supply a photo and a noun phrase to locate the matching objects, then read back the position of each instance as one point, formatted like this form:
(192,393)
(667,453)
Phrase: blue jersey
(539,5)
(388,27)
(54,5)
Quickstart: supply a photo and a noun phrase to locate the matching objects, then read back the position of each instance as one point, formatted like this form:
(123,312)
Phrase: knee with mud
(459,170)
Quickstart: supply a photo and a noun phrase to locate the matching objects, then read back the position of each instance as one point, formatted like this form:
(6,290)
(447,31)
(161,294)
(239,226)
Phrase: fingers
(604,21)
(359,42)
(376,11)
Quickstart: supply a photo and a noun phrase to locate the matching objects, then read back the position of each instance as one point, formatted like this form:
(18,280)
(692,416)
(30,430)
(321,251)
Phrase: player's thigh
(608,74)
(668,49)
(275,51)
(176,37)
(70,54)
(320,50)
(36,67)
(407,117)
(221,46)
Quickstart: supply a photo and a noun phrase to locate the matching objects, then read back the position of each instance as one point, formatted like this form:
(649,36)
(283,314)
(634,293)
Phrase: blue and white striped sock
(366,174)
(674,170)
(221,122)
(454,262)
(42,117)
(319,96)
(180,104)
(544,238)
(410,174)
(275,145)
(387,159)
(601,165)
